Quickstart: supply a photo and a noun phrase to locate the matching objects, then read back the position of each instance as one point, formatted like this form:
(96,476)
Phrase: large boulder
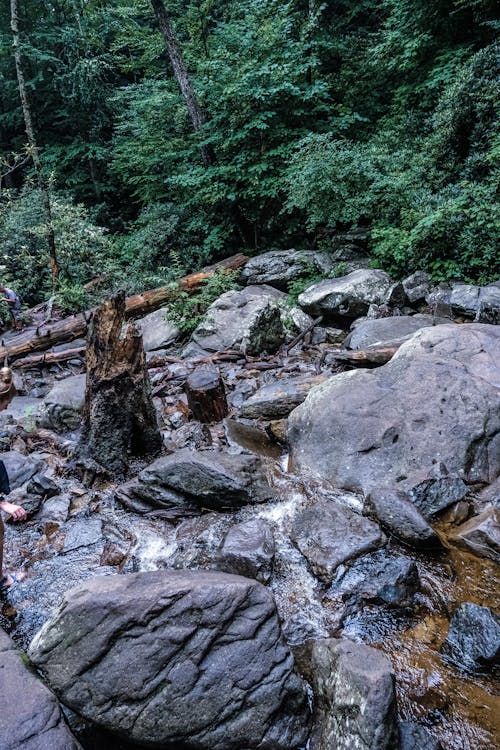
(30,717)
(482,303)
(279,267)
(329,534)
(278,398)
(157,331)
(355,703)
(20,468)
(248,321)
(437,401)
(176,658)
(64,404)
(397,328)
(348,296)
(210,479)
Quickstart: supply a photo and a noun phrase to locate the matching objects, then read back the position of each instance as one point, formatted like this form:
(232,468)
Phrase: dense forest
(169,134)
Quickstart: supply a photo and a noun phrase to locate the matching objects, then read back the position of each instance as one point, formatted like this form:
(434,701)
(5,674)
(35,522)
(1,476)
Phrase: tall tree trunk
(182,76)
(30,132)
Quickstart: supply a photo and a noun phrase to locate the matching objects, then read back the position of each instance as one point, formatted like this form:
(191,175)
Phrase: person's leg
(1,548)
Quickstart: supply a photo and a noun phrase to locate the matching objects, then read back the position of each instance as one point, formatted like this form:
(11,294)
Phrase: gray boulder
(23,410)
(157,331)
(436,401)
(64,404)
(413,736)
(30,718)
(277,399)
(248,321)
(396,513)
(209,479)
(473,639)
(480,303)
(434,491)
(480,534)
(172,658)
(417,287)
(20,468)
(248,550)
(329,534)
(355,703)
(387,330)
(279,267)
(348,296)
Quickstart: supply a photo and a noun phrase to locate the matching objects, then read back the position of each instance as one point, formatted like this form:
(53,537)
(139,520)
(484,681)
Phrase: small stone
(473,639)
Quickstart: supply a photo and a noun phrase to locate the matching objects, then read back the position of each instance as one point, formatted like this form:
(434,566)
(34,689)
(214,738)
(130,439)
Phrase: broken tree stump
(119,419)
(206,395)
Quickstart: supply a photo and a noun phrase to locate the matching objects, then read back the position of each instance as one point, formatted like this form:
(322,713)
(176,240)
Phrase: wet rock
(209,479)
(380,578)
(473,639)
(55,509)
(280,267)
(489,495)
(277,399)
(399,516)
(417,286)
(248,550)
(176,657)
(23,410)
(480,534)
(436,401)
(413,736)
(193,435)
(329,534)
(157,331)
(248,321)
(20,468)
(348,296)
(82,532)
(355,703)
(435,492)
(387,330)
(64,404)
(30,718)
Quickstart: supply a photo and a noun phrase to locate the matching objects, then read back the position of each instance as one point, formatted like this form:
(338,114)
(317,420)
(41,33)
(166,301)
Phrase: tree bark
(206,395)
(182,77)
(76,326)
(30,132)
(119,420)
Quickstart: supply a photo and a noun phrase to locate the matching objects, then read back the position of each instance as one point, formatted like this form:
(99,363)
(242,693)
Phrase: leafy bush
(188,311)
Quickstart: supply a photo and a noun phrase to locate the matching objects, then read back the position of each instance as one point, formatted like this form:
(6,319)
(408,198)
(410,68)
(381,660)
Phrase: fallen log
(49,358)
(371,357)
(75,326)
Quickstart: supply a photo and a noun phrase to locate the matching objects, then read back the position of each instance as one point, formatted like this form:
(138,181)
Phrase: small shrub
(188,311)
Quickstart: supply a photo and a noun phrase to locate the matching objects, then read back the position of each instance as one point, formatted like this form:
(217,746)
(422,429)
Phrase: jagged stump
(119,419)
(206,395)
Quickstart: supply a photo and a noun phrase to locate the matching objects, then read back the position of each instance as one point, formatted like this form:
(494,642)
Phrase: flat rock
(348,296)
(386,330)
(30,718)
(277,399)
(170,658)
(355,703)
(480,534)
(396,513)
(279,267)
(329,534)
(436,401)
(20,468)
(473,639)
(209,479)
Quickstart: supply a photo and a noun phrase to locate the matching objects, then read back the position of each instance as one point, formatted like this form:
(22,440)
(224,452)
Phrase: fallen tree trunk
(75,326)
(49,358)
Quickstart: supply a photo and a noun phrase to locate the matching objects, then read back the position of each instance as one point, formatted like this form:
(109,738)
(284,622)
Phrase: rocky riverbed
(319,569)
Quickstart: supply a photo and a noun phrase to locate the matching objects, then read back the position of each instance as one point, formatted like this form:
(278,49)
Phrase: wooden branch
(75,326)
(303,333)
(49,358)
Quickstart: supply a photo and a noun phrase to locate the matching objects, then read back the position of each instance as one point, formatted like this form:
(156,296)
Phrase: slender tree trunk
(30,132)
(182,76)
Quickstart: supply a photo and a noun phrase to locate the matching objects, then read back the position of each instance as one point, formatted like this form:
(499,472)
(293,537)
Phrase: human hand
(16,511)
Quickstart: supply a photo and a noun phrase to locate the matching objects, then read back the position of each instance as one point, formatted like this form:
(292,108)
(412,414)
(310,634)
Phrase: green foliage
(188,311)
